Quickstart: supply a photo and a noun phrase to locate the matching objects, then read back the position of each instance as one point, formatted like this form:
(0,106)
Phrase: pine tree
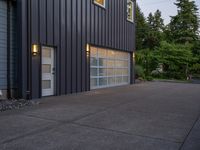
(156,27)
(150,20)
(196,48)
(156,23)
(141,28)
(184,26)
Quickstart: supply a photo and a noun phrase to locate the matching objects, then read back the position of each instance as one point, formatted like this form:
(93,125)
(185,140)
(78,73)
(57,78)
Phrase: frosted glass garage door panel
(109,68)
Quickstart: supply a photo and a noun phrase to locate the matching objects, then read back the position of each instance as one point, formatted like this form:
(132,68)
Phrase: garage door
(3,44)
(109,68)
(4,11)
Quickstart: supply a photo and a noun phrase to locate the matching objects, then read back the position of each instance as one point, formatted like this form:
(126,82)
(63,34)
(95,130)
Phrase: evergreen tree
(141,29)
(156,23)
(196,48)
(150,20)
(156,27)
(184,26)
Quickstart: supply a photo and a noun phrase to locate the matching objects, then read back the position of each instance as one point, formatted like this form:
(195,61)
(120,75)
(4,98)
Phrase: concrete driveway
(148,116)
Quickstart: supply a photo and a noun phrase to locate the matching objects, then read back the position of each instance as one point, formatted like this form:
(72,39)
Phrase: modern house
(57,47)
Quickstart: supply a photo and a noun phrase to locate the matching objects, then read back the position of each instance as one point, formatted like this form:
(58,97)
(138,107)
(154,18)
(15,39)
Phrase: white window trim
(130,20)
(104,6)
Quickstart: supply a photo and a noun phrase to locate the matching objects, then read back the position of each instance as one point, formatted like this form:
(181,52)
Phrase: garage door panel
(109,68)
(3,44)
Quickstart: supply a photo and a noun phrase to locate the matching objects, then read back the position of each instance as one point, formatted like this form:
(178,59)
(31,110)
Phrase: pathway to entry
(147,116)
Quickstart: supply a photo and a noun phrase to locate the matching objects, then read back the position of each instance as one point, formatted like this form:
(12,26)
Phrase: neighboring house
(57,47)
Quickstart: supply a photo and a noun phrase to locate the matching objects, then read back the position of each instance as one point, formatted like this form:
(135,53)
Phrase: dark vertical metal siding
(69,46)
(69,25)
(63,49)
(42,20)
(22,44)
(79,46)
(83,54)
(34,27)
(13,48)
(74,45)
(88,38)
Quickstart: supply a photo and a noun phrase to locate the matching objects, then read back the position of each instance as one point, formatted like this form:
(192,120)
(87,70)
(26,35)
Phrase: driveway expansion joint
(125,133)
(187,136)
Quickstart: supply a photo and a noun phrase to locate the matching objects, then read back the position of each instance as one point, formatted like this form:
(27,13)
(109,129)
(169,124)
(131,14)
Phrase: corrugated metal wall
(14,52)
(68,25)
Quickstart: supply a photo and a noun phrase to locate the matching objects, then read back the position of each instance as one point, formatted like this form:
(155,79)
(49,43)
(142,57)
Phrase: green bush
(149,78)
(178,61)
(157,74)
(139,72)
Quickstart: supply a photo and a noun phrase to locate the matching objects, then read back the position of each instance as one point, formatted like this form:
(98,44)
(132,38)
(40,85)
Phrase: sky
(167,7)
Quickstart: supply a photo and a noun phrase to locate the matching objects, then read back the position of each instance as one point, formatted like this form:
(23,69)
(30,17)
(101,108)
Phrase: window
(101,3)
(130,12)
(109,68)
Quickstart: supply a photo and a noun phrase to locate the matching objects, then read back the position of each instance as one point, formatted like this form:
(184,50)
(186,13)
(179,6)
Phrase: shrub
(149,78)
(139,72)
(177,61)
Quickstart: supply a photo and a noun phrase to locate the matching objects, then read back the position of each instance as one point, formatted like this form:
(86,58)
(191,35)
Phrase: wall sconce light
(88,50)
(35,50)
(133,55)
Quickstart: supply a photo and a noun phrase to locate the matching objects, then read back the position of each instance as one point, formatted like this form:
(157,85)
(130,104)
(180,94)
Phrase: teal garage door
(8,38)
(3,45)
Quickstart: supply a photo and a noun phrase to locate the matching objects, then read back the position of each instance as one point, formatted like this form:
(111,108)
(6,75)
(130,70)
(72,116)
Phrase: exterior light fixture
(88,50)
(133,55)
(35,50)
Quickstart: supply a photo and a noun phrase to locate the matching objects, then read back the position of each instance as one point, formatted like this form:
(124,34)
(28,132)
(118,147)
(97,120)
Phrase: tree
(196,48)
(156,27)
(150,20)
(156,23)
(184,26)
(177,61)
(141,28)
(171,51)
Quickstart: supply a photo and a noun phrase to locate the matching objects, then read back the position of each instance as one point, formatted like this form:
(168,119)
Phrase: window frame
(133,7)
(96,3)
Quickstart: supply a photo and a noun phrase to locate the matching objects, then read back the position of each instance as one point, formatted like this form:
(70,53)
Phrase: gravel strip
(15,104)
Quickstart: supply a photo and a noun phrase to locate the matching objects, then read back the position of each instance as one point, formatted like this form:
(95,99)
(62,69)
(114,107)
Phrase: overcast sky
(167,7)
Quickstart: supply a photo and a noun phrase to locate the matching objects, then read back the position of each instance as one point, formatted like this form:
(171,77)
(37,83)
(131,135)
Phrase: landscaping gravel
(15,104)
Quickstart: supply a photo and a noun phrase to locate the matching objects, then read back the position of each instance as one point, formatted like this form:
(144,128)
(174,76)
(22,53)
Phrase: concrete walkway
(148,116)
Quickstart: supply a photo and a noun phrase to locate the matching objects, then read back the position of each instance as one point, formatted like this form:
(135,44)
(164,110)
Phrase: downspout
(8,51)
(28,91)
